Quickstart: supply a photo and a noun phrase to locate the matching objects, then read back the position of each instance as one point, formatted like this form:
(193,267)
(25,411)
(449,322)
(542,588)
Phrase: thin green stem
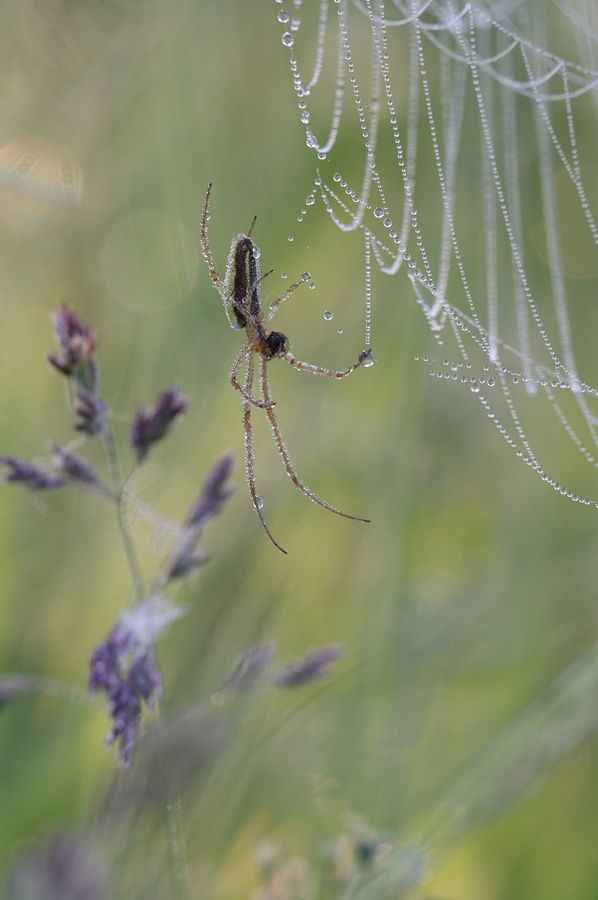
(177,851)
(118,488)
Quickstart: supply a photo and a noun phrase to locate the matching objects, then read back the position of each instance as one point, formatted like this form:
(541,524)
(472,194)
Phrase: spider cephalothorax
(241,293)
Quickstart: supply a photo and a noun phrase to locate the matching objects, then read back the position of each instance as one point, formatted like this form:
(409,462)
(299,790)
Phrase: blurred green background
(471,590)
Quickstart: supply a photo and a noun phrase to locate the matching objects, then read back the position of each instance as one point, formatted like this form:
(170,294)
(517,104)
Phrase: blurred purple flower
(124,668)
(73,466)
(249,666)
(63,868)
(308,668)
(151,425)
(91,413)
(34,478)
(213,495)
(77,342)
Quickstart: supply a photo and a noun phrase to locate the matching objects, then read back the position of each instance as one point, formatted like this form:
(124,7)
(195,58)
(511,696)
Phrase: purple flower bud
(73,465)
(151,425)
(309,668)
(214,493)
(125,709)
(104,670)
(249,666)
(186,560)
(34,478)
(91,413)
(145,678)
(77,342)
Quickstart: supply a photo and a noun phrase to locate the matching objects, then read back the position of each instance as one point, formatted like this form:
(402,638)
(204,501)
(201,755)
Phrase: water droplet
(295,23)
(392,233)
(445,362)
(416,358)
(321,156)
(337,176)
(387,222)
(287,39)
(306,276)
(312,285)
(454,367)
(515,381)
(378,212)
(305,118)
(273,305)
(283,17)
(475,388)
(340,331)
(284,274)
(256,252)
(464,379)
(343,183)
(208,216)
(367,358)
(259,501)
(291,238)
(309,201)
(302,104)
(328,315)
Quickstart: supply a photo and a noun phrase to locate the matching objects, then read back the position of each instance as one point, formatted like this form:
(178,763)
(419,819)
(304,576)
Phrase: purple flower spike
(125,709)
(124,668)
(309,668)
(104,670)
(152,424)
(34,478)
(73,466)
(90,412)
(77,342)
(249,666)
(214,493)
(186,560)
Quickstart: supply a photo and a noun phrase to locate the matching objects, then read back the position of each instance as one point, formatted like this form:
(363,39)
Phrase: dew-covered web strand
(464,38)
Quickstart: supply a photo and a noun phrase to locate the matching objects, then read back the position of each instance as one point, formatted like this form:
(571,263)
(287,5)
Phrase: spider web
(503,130)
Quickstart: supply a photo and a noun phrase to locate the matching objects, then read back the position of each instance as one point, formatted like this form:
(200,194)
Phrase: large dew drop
(367,358)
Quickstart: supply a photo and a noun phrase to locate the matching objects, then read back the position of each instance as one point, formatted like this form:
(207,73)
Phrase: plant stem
(117,485)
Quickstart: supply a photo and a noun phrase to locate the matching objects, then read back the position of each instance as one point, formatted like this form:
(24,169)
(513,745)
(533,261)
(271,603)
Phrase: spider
(240,292)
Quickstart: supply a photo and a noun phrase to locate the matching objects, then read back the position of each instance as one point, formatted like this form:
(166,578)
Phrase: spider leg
(318,370)
(276,303)
(207,253)
(245,353)
(249,454)
(285,453)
